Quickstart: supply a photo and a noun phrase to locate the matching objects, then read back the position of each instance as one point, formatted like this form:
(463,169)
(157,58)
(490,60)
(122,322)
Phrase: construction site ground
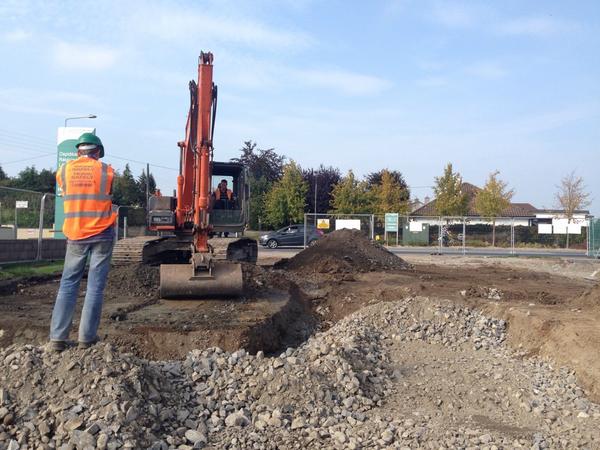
(550,308)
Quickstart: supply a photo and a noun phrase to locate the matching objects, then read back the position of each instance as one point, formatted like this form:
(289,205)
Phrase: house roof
(562,211)
(514,209)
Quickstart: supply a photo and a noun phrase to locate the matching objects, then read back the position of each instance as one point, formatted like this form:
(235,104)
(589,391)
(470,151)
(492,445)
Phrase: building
(552,221)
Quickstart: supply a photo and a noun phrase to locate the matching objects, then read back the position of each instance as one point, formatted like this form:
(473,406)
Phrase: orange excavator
(196,260)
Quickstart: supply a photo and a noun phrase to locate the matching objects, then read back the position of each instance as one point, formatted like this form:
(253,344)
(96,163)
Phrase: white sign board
(350,224)
(21,204)
(560,226)
(544,228)
(415,227)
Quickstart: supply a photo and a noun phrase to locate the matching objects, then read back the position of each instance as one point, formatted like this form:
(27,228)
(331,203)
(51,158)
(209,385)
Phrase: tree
(3,175)
(390,192)
(125,189)
(285,201)
(265,167)
(141,187)
(571,196)
(351,196)
(325,178)
(261,162)
(450,200)
(492,200)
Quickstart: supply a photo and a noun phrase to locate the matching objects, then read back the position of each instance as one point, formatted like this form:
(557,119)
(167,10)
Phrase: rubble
(376,379)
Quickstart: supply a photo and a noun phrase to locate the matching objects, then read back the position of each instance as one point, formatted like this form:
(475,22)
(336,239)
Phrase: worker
(223,196)
(86,186)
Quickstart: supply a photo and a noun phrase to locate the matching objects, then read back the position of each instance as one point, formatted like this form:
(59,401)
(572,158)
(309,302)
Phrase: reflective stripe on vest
(71,215)
(86,187)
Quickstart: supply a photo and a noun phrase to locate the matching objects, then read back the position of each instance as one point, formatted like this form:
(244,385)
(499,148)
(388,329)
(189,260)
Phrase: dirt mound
(344,251)
(135,280)
(590,298)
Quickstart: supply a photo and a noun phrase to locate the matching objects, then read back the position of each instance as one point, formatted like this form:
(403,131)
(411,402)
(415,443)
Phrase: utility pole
(147,185)
(316,185)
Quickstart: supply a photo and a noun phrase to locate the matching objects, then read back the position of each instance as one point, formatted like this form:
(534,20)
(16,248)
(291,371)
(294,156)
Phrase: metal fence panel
(475,235)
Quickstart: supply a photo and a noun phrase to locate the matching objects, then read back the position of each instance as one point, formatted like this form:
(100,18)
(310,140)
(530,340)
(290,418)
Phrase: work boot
(84,345)
(57,346)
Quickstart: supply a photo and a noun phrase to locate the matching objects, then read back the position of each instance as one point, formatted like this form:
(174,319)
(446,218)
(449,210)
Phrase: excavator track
(131,250)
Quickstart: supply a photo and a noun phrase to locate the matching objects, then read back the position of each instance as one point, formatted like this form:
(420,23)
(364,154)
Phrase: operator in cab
(223,196)
(86,185)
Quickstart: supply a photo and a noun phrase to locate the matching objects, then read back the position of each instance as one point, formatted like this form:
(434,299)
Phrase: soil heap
(344,251)
(138,280)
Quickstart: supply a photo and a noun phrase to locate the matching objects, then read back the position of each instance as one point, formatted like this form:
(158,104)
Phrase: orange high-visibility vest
(218,194)
(86,186)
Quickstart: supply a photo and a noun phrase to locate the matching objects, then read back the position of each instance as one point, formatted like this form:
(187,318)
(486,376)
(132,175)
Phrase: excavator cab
(229,215)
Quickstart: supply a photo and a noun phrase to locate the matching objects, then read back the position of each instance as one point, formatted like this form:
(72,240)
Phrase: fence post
(587,238)
(372,227)
(512,236)
(464,239)
(38,256)
(125,227)
(440,236)
(305,224)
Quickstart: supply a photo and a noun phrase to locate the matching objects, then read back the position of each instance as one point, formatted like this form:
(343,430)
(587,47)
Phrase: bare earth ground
(538,298)
(451,380)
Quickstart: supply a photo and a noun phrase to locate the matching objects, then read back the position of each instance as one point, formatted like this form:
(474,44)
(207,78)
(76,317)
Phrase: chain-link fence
(594,238)
(468,235)
(29,216)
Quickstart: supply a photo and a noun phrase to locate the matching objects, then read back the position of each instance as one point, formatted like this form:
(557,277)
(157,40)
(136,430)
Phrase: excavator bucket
(178,281)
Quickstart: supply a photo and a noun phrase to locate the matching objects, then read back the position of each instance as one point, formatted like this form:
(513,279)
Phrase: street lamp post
(89,116)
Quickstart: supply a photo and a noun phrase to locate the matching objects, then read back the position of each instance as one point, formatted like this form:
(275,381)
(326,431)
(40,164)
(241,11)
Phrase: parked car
(292,236)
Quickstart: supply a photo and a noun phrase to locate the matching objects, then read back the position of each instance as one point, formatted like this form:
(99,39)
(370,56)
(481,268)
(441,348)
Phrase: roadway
(288,252)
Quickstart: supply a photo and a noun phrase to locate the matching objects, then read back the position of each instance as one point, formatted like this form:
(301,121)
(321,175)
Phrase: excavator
(197,257)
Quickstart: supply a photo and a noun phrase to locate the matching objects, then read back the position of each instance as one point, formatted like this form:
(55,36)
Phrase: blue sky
(404,84)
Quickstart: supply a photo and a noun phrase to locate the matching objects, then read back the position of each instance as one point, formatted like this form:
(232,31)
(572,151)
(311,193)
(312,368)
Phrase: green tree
(3,175)
(351,196)
(265,167)
(285,202)
(492,200)
(450,200)
(390,193)
(324,179)
(141,187)
(125,189)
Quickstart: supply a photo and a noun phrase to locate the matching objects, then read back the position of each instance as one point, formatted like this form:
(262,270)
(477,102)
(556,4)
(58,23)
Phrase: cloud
(350,83)
(16,36)
(488,70)
(53,103)
(433,81)
(83,57)
(170,25)
(534,26)
(453,15)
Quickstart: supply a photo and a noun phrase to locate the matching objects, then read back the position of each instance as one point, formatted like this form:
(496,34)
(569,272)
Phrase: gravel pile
(376,379)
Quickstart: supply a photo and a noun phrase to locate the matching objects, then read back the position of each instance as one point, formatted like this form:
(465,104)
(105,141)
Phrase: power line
(143,162)
(27,159)
(25,136)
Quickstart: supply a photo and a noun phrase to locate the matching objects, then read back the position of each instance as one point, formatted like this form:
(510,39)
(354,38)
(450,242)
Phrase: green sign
(67,138)
(391,222)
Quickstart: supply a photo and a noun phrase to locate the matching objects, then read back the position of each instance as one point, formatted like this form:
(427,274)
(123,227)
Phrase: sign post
(19,204)
(66,151)
(391,225)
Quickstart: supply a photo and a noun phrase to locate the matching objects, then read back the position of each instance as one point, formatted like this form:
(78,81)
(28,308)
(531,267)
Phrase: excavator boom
(204,276)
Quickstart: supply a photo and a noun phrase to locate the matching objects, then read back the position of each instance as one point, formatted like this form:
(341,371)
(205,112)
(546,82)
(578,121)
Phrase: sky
(409,85)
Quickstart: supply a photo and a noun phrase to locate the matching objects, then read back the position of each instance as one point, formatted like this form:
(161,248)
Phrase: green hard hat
(90,139)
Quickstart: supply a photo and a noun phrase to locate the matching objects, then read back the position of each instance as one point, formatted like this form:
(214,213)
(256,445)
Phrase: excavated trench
(275,313)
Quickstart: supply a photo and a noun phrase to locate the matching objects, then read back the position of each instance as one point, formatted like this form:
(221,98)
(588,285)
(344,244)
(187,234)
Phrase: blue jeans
(64,307)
